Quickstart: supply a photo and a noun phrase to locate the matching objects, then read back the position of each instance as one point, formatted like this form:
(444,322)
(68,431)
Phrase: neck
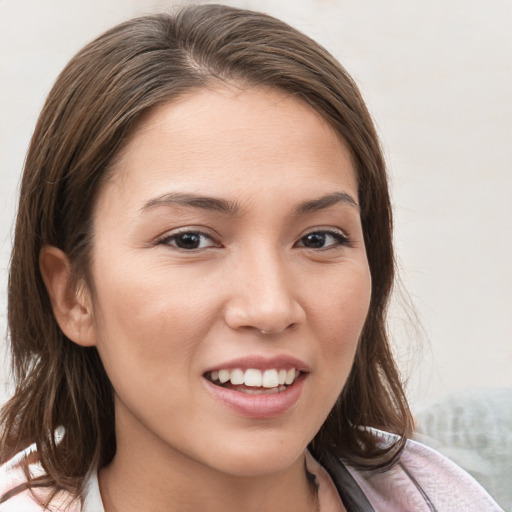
(153,480)
(184,489)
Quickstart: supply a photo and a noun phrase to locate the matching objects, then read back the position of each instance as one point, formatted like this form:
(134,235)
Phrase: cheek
(340,314)
(152,317)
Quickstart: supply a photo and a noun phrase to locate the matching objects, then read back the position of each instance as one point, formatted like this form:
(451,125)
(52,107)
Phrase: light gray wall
(437,76)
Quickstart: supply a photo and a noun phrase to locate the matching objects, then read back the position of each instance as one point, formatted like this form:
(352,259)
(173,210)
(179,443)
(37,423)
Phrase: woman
(199,281)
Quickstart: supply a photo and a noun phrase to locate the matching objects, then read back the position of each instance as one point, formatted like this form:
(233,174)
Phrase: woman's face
(228,245)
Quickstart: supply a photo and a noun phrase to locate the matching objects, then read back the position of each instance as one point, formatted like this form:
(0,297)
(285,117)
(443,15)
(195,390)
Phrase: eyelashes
(323,239)
(194,240)
(189,240)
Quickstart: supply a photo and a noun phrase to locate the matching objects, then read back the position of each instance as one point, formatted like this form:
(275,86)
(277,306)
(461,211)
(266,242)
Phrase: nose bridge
(264,292)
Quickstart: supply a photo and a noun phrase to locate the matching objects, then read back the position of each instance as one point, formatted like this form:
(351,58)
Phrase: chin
(260,456)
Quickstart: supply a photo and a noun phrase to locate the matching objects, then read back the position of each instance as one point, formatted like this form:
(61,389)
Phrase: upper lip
(261,363)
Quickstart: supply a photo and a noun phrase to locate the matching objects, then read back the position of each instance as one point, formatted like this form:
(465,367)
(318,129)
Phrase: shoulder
(423,479)
(15,496)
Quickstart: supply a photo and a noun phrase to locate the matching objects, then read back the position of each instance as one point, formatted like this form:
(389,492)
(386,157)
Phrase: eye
(189,240)
(323,239)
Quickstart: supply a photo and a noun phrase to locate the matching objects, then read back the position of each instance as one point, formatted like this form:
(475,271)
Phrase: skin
(161,316)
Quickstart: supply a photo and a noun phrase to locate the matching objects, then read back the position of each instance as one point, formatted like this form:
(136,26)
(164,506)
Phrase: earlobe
(72,307)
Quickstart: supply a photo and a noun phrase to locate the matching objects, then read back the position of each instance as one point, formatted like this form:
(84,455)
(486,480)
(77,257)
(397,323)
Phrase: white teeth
(254,378)
(224,376)
(270,379)
(237,377)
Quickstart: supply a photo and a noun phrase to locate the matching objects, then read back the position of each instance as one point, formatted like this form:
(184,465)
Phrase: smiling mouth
(253,381)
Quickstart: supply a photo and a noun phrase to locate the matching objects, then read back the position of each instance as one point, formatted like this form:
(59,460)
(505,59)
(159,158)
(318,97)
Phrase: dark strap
(350,493)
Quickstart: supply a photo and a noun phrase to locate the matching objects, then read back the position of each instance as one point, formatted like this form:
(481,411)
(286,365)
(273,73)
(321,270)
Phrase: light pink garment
(440,482)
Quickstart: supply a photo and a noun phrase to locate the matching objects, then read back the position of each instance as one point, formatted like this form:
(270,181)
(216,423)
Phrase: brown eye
(322,240)
(189,240)
(314,240)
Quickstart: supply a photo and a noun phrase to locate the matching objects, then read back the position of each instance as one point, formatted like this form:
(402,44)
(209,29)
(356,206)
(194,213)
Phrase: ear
(72,306)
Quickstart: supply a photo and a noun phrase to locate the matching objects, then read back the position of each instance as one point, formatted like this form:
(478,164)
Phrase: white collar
(92,501)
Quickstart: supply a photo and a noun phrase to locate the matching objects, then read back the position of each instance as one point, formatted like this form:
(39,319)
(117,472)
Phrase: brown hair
(92,108)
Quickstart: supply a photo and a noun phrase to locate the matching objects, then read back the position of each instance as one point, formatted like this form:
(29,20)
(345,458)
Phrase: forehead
(218,137)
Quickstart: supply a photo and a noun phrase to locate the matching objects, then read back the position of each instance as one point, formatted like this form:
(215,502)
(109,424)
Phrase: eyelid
(326,229)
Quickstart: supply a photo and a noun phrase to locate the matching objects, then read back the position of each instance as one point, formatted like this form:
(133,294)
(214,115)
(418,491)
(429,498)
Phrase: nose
(263,296)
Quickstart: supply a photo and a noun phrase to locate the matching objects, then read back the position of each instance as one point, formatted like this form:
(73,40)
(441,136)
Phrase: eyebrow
(196,201)
(325,202)
(233,208)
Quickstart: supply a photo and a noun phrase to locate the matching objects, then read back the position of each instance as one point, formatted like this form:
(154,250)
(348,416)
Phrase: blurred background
(437,77)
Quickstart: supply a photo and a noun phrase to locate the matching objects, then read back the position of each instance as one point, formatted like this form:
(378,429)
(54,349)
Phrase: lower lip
(260,406)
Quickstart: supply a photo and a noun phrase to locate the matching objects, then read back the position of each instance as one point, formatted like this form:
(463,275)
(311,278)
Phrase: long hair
(93,107)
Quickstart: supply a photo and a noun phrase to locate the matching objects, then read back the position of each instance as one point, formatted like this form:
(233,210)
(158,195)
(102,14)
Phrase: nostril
(274,331)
